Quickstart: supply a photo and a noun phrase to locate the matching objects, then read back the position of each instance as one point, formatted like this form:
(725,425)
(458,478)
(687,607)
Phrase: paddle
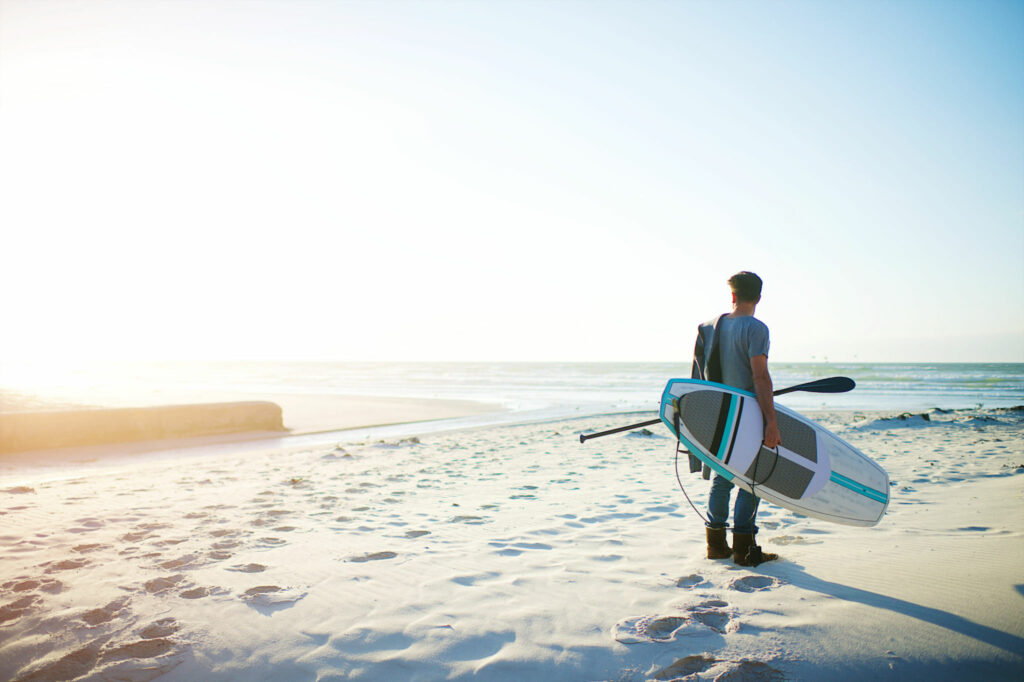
(826,385)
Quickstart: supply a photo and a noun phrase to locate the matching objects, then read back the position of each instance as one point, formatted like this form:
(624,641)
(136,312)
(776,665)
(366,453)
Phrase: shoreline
(320,420)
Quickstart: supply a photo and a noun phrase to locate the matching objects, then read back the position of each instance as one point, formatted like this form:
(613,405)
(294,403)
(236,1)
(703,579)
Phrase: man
(733,350)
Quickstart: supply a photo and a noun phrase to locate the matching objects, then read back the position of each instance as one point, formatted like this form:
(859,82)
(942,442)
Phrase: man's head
(746,286)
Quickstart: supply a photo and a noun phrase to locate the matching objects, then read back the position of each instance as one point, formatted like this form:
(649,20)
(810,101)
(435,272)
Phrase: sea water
(549,389)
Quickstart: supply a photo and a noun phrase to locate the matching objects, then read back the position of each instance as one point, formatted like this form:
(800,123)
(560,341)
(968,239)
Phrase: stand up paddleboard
(814,472)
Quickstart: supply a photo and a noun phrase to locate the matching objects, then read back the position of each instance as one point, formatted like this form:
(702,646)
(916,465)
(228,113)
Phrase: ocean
(541,389)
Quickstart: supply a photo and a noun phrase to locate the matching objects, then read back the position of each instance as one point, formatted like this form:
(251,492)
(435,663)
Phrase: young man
(733,350)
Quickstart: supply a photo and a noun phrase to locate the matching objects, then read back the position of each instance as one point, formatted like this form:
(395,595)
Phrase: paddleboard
(813,472)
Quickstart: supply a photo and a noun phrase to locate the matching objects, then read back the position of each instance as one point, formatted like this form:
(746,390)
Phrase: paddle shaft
(584,438)
(827,385)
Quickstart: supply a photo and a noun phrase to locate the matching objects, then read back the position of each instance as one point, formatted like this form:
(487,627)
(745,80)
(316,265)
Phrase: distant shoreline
(32,430)
(55,429)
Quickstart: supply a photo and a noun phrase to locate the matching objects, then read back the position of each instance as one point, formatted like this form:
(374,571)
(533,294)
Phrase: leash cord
(680,481)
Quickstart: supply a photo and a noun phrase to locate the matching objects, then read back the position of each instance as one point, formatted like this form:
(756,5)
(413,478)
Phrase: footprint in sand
(416,533)
(161,628)
(708,613)
(19,607)
(272,595)
(170,542)
(690,581)
(793,540)
(86,525)
(145,648)
(89,547)
(248,568)
(661,629)
(723,670)
(26,584)
(650,629)
(136,536)
(467,580)
(749,671)
(697,663)
(159,585)
(196,593)
(106,613)
(186,561)
(71,666)
(375,556)
(697,621)
(472,520)
(65,565)
(272,542)
(754,583)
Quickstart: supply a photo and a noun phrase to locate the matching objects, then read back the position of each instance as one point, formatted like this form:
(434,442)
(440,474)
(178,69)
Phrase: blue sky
(509,180)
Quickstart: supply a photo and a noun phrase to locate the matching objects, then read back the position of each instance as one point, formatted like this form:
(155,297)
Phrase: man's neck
(743,309)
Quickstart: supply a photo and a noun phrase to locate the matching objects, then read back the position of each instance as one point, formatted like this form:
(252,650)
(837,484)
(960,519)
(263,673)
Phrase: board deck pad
(813,471)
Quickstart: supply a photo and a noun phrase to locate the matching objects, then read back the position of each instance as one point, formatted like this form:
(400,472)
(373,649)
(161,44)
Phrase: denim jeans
(718,507)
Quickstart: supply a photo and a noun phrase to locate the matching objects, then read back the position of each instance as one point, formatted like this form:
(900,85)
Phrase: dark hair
(746,286)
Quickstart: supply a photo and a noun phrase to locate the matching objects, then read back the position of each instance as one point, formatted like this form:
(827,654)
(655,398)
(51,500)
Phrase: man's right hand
(772,437)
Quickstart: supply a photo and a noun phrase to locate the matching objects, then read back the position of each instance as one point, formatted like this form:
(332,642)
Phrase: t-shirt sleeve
(757,340)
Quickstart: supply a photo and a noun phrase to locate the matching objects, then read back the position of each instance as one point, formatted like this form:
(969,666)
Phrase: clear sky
(498,180)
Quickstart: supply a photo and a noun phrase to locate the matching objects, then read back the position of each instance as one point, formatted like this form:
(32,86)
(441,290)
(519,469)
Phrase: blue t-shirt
(741,339)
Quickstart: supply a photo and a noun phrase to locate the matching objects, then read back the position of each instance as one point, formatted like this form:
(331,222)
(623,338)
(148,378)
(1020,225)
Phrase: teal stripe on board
(859,488)
(734,402)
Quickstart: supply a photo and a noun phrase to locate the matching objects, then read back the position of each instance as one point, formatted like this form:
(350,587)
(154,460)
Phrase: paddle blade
(827,385)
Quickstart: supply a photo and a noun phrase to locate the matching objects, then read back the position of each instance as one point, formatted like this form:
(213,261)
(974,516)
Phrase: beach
(507,552)
(308,306)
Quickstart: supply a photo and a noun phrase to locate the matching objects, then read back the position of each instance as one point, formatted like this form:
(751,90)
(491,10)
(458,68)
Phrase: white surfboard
(814,472)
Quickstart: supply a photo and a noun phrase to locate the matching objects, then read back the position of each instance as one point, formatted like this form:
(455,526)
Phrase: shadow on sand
(944,619)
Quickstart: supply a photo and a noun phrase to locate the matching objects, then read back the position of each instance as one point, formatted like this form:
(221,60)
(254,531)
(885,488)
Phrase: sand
(509,553)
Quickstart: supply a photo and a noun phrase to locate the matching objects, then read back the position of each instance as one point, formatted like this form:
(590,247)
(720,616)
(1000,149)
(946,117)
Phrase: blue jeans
(718,507)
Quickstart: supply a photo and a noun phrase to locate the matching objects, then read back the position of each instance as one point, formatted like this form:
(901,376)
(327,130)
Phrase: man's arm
(763,389)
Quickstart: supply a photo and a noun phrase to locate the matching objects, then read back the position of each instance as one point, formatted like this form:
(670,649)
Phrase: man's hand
(772,438)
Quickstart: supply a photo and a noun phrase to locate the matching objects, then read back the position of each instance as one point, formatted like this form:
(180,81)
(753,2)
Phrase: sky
(499,180)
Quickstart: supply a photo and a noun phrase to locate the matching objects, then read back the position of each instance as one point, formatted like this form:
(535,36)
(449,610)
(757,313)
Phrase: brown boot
(746,553)
(717,549)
